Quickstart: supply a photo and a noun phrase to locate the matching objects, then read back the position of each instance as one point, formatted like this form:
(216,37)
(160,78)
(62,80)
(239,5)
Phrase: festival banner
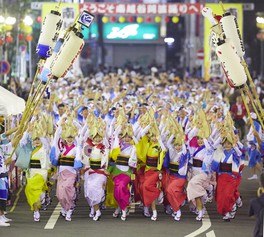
(142,9)
(212,67)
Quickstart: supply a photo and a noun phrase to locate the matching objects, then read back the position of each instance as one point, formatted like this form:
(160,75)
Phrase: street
(52,224)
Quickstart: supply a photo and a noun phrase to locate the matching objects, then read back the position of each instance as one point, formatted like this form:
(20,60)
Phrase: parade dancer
(226,163)
(36,187)
(5,150)
(254,137)
(95,160)
(125,160)
(176,162)
(152,152)
(66,156)
(200,172)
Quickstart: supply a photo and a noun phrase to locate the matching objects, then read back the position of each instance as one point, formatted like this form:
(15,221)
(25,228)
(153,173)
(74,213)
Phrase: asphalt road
(136,224)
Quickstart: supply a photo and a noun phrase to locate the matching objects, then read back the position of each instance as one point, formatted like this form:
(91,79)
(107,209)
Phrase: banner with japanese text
(212,67)
(143,9)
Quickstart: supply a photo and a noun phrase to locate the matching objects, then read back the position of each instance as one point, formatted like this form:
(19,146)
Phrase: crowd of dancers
(151,139)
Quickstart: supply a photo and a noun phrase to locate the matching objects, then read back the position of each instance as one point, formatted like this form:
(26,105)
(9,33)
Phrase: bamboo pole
(244,64)
(10,131)
(222,6)
(247,108)
(24,125)
(247,91)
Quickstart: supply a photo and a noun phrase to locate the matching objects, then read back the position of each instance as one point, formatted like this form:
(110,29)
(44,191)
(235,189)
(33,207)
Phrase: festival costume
(153,158)
(124,159)
(67,159)
(5,149)
(175,178)
(226,164)
(200,179)
(200,172)
(37,176)
(254,151)
(95,160)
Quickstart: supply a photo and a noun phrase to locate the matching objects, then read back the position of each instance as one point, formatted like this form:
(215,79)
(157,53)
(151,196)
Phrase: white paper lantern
(231,31)
(69,51)
(45,73)
(49,34)
(231,64)
(208,13)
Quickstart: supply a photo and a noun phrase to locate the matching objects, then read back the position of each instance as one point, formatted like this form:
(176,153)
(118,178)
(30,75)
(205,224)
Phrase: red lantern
(9,39)
(130,19)
(167,19)
(113,19)
(21,37)
(29,38)
(148,19)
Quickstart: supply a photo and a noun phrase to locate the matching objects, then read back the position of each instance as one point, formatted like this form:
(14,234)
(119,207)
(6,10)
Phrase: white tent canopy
(10,104)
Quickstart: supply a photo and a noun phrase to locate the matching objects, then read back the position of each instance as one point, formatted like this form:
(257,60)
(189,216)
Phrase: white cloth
(94,188)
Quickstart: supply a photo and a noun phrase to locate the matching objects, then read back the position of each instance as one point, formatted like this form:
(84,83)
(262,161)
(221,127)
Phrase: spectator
(256,208)
(238,111)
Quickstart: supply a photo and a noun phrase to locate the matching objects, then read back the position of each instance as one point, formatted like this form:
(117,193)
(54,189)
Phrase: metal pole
(1,58)
(261,58)
(30,60)
(17,50)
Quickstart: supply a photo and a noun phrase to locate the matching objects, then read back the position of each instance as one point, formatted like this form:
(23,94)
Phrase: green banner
(124,31)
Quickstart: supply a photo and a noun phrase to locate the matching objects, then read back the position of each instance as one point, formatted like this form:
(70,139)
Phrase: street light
(2,20)
(260,36)
(10,20)
(28,21)
(6,25)
(24,25)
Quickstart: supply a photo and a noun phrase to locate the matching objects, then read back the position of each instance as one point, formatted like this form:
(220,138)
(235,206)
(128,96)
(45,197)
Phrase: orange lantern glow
(29,38)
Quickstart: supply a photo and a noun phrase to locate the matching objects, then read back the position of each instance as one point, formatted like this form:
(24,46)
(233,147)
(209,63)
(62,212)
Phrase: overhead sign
(124,31)
(4,67)
(91,32)
(143,9)
(131,31)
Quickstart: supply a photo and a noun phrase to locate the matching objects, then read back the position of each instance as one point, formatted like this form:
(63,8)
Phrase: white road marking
(133,206)
(210,234)
(53,218)
(206,224)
